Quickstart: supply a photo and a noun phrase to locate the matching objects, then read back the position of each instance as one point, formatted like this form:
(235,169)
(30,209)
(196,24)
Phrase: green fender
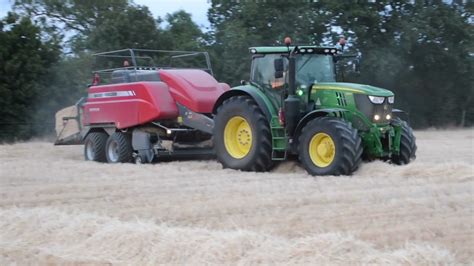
(256,94)
(316,113)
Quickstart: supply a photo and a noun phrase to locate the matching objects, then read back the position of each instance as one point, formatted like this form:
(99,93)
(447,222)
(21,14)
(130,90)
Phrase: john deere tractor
(293,105)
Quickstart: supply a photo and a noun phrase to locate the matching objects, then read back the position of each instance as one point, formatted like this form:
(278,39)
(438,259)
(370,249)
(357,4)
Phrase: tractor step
(278,155)
(279,140)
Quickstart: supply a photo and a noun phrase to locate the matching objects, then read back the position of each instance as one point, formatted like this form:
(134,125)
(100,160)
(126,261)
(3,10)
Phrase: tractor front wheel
(329,146)
(407,145)
(242,138)
(119,148)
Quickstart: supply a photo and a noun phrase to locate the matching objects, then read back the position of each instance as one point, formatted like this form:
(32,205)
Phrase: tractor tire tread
(99,140)
(263,161)
(348,139)
(125,147)
(407,145)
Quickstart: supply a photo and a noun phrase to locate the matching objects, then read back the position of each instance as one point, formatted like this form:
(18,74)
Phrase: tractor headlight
(391,99)
(376,99)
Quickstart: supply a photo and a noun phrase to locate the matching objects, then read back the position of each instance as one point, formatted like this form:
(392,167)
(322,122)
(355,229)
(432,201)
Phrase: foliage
(422,50)
(24,75)
(182,33)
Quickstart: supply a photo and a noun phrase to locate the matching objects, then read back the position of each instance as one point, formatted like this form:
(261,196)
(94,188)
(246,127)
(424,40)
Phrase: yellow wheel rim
(322,149)
(238,137)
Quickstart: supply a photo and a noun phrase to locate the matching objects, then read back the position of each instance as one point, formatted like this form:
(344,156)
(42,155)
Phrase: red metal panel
(195,89)
(129,104)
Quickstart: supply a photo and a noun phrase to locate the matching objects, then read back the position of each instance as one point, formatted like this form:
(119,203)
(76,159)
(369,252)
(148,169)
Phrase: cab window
(263,72)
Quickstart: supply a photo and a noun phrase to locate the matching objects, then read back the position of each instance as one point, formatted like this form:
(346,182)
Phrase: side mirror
(278,64)
(279,74)
(279,67)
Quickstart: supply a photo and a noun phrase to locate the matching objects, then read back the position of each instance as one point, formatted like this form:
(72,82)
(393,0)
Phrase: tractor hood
(353,87)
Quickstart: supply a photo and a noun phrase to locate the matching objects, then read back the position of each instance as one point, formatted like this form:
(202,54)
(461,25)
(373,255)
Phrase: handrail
(134,56)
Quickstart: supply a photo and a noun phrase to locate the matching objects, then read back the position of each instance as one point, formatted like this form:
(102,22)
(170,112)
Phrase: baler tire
(407,146)
(258,157)
(346,151)
(95,141)
(123,152)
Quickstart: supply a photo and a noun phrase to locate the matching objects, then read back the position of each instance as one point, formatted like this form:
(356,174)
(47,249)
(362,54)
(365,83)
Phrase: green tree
(98,25)
(24,74)
(182,32)
(134,27)
(422,50)
(236,26)
(419,50)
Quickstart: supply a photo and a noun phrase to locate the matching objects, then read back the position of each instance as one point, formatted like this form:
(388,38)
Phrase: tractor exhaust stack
(292,102)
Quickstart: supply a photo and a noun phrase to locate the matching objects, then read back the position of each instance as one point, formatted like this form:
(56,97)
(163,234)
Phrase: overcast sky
(197,8)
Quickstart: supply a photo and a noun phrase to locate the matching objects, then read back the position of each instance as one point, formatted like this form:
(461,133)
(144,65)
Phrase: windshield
(310,68)
(313,68)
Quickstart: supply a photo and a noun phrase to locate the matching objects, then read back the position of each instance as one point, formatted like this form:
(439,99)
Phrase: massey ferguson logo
(111,94)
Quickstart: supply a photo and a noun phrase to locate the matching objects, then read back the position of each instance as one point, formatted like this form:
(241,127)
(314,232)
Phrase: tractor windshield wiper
(304,63)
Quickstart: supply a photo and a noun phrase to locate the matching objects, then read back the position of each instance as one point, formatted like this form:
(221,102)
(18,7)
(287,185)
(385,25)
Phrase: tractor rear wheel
(407,145)
(119,148)
(94,146)
(329,146)
(242,138)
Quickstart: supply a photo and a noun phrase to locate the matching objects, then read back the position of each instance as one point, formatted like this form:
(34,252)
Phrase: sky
(5,6)
(197,8)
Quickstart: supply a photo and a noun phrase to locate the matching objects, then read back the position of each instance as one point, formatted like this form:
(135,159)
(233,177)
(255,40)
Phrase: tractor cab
(313,64)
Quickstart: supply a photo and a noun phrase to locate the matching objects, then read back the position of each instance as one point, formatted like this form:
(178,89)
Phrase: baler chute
(69,124)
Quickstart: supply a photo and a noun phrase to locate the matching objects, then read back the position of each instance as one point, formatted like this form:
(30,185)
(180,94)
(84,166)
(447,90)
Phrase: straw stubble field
(57,208)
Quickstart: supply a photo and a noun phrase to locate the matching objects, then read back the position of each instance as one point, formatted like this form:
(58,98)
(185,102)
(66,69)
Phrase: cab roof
(302,49)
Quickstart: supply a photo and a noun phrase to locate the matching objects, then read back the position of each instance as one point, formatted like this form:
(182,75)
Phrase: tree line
(421,50)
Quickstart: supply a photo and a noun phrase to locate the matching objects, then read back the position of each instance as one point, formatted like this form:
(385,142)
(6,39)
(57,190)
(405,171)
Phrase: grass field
(57,208)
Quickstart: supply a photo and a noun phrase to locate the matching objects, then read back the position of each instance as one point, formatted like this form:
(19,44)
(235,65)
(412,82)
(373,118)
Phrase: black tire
(359,150)
(347,150)
(258,157)
(94,147)
(119,148)
(407,145)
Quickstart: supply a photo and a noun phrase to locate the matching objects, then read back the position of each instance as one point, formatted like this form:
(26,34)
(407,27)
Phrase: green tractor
(293,105)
